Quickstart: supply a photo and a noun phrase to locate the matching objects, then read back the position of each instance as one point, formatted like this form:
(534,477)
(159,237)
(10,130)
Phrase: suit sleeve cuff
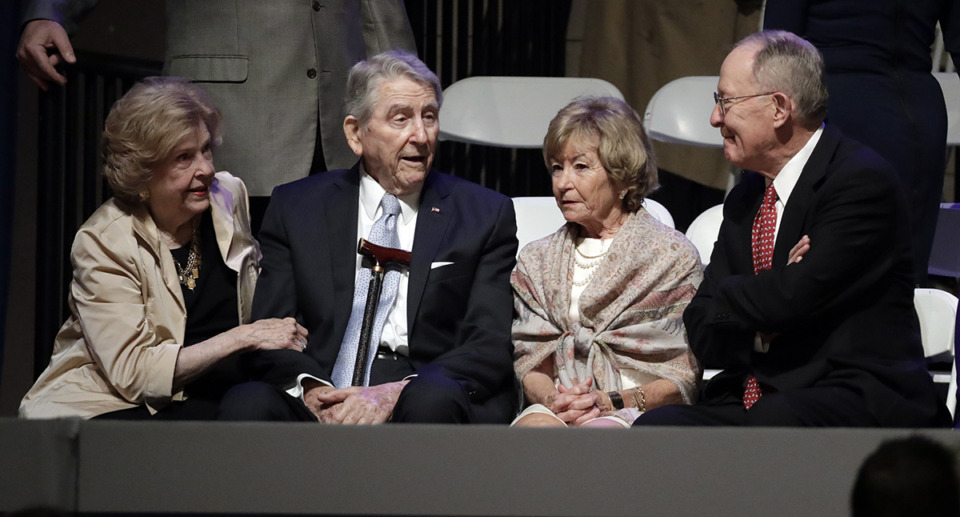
(297,390)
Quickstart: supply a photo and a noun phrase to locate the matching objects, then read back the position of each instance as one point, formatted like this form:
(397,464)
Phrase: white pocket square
(435,265)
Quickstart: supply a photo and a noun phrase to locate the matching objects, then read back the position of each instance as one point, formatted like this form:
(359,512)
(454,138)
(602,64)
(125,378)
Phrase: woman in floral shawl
(598,335)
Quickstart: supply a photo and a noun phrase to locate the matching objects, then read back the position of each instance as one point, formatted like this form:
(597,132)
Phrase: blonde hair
(624,149)
(144,127)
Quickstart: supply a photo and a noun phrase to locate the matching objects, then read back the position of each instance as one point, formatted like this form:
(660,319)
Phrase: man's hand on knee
(359,405)
(311,392)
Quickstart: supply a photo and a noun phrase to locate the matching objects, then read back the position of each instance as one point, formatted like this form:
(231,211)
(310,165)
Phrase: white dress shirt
(395,331)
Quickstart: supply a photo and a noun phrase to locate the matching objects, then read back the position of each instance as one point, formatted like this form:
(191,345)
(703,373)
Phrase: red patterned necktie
(764,226)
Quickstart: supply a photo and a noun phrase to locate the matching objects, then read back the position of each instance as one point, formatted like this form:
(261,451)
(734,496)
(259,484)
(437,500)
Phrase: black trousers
(811,407)
(430,397)
(194,408)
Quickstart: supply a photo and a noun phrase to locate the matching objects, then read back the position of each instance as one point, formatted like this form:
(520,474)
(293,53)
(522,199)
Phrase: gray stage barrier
(431,470)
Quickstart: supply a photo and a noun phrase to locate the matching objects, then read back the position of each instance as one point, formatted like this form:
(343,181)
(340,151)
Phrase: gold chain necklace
(188,274)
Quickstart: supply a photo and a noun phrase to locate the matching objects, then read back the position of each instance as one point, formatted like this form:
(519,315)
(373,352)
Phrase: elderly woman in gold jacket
(163,273)
(598,335)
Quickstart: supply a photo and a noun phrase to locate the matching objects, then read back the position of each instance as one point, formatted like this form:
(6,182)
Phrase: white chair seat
(937,311)
(539,216)
(704,230)
(511,111)
(950,84)
(680,112)
(659,211)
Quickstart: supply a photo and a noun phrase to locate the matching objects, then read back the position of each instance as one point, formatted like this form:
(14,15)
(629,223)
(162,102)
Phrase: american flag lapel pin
(435,209)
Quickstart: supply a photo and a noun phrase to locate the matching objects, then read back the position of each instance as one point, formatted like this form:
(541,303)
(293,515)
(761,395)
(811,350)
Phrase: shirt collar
(371,193)
(790,173)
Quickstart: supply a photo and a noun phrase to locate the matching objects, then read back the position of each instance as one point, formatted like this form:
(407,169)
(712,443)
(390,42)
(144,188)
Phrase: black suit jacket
(459,315)
(844,315)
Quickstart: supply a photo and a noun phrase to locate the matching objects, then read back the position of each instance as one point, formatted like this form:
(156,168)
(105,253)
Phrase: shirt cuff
(297,390)
(759,345)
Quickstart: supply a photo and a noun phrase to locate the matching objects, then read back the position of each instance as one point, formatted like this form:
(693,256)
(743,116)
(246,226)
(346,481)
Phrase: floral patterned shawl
(630,312)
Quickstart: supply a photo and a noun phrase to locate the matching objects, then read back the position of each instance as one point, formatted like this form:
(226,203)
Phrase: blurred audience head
(907,477)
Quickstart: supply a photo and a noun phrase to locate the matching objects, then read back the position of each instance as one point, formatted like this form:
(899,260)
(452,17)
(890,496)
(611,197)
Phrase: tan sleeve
(113,302)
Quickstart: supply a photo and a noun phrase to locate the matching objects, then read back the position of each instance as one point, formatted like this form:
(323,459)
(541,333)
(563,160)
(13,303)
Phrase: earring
(623,193)
(144,195)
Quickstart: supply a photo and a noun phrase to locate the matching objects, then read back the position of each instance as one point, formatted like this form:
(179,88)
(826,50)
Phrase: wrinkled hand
(38,39)
(358,404)
(579,403)
(799,250)
(272,334)
(311,395)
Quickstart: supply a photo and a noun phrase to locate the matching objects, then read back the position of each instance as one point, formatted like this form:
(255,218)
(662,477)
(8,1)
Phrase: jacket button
(312,73)
(316,6)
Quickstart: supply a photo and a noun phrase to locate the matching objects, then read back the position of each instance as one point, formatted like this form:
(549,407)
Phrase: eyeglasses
(721,100)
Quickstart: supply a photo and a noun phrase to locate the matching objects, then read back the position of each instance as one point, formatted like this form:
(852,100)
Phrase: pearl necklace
(591,262)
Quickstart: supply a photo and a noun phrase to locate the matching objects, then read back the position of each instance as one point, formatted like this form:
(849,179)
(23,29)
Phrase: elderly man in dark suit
(807,304)
(441,350)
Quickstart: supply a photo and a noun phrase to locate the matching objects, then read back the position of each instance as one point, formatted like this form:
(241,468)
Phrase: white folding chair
(679,112)
(659,211)
(511,111)
(950,84)
(952,392)
(937,311)
(703,232)
(537,217)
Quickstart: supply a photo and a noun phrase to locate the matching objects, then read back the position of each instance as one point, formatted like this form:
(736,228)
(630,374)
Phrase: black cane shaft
(366,327)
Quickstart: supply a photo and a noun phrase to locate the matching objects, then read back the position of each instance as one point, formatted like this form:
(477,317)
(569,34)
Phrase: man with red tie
(807,304)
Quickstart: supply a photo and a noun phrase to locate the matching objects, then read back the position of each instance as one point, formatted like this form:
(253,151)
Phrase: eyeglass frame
(718,100)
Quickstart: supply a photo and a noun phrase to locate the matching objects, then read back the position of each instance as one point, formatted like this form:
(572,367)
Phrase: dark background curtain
(493,37)
(455,38)
(9,34)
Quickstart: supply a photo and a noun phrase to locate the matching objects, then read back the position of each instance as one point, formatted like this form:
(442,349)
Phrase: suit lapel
(433,217)
(340,246)
(147,231)
(795,215)
(753,185)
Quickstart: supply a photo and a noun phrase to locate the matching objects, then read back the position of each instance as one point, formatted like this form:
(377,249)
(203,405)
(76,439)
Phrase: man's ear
(785,109)
(351,128)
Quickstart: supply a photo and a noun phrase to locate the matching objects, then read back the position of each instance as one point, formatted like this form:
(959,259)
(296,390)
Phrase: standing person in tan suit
(648,43)
(276,69)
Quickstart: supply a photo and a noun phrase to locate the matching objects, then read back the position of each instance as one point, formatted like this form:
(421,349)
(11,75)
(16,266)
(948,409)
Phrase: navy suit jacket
(844,315)
(459,314)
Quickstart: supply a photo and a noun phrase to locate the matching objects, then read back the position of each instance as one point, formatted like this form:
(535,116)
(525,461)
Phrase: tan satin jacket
(119,347)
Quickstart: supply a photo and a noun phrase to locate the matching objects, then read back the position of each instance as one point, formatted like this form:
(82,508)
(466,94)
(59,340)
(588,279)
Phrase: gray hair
(790,64)
(623,148)
(365,78)
(145,126)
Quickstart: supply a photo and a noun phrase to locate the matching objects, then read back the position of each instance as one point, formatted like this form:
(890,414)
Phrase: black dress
(877,57)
